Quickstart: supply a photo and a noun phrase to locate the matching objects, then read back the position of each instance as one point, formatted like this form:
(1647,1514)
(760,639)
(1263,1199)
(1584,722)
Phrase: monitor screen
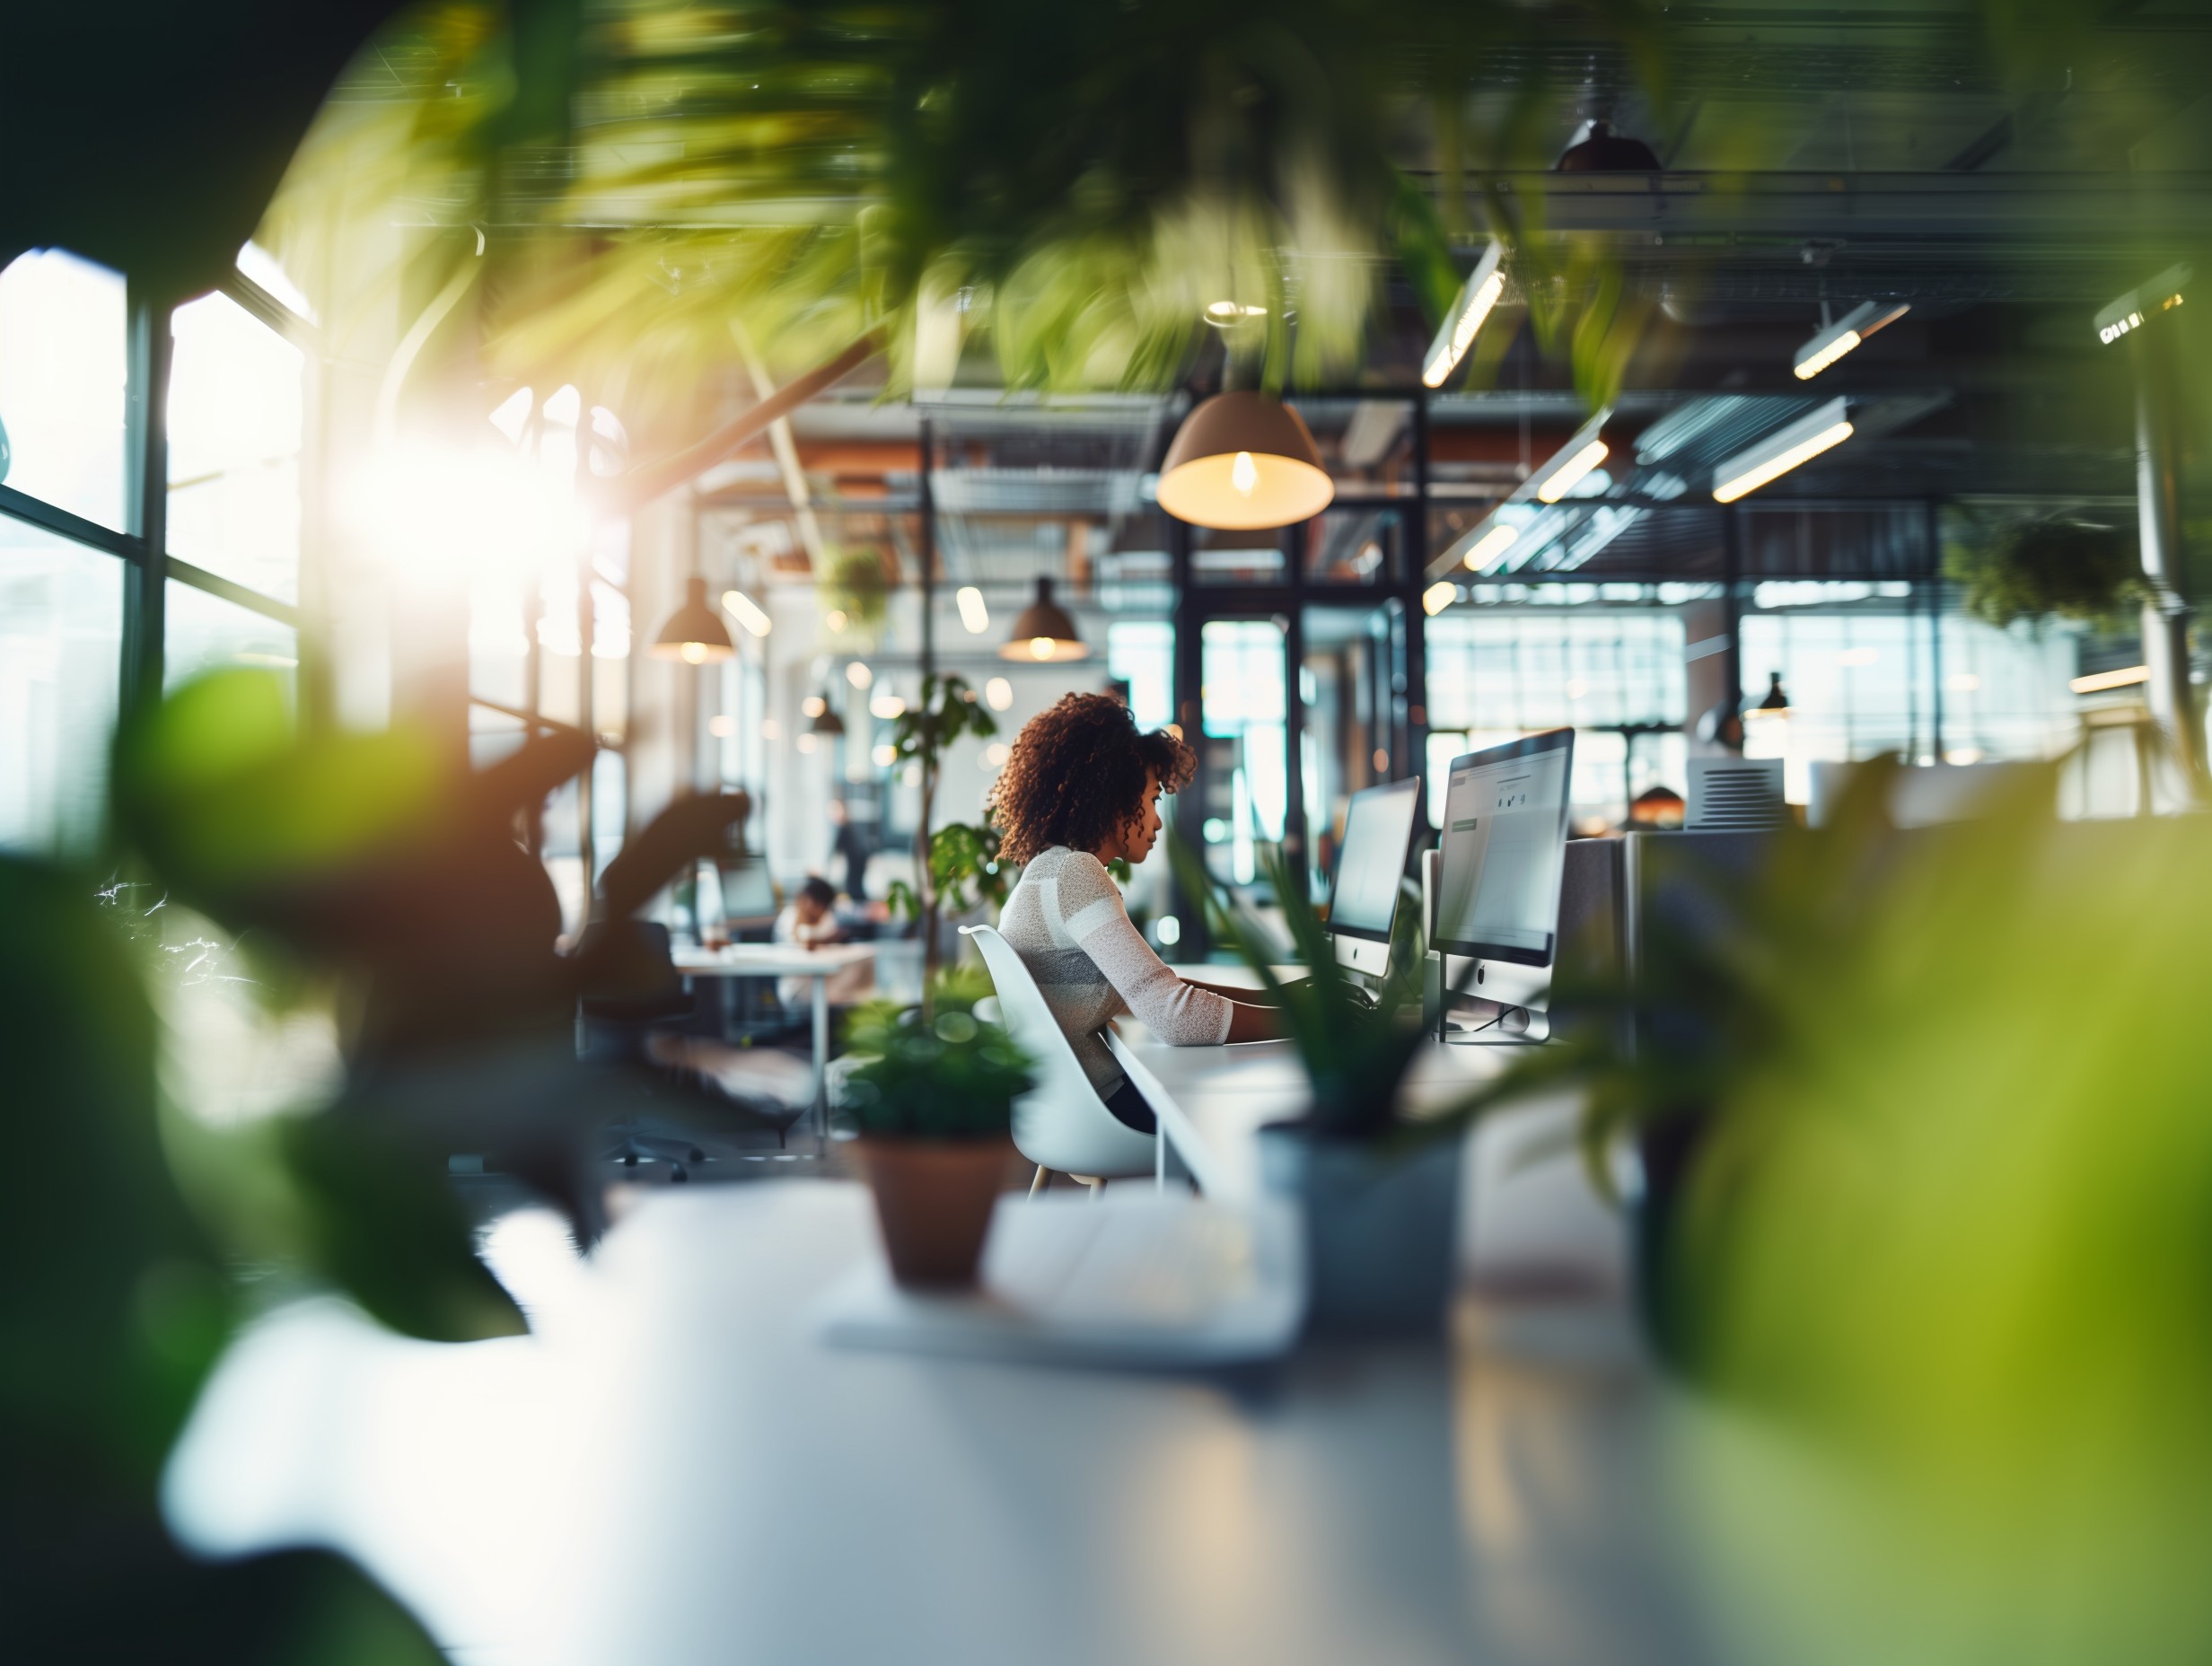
(1378,830)
(1505,833)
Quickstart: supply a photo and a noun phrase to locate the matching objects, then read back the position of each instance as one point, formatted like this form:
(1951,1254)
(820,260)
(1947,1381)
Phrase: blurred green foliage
(1940,1242)
(1952,1230)
(1072,184)
(857,586)
(213,787)
(964,869)
(116,1309)
(934,1073)
(2048,566)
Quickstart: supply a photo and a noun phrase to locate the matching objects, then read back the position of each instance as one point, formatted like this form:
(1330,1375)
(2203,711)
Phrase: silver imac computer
(1378,833)
(1496,891)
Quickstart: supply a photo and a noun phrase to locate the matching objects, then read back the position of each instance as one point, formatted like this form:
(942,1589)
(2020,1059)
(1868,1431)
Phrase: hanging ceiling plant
(856,592)
(2053,567)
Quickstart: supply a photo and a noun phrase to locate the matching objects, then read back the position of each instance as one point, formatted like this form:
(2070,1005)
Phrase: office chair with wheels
(639,989)
(1062,1123)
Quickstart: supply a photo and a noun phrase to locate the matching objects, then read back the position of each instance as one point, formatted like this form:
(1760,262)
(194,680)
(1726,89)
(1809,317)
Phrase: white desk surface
(771,960)
(674,1470)
(1212,1100)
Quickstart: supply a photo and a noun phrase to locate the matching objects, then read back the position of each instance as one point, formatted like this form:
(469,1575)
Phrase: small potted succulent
(933,1098)
(1379,1191)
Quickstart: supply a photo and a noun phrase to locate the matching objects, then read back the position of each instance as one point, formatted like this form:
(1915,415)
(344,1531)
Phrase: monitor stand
(1502,1004)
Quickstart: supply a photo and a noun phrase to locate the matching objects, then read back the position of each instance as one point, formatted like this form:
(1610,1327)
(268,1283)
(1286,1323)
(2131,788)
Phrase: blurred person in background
(809,920)
(849,844)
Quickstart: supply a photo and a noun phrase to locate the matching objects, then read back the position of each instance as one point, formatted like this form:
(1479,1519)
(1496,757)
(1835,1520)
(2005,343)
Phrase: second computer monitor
(1496,897)
(1378,833)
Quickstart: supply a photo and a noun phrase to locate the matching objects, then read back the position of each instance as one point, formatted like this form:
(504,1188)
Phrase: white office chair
(1062,1123)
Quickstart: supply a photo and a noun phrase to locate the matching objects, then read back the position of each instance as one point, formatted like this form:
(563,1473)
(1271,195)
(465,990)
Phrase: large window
(61,625)
(225,581)
(208,633)
(62,395)
(236,409)
(1618,678)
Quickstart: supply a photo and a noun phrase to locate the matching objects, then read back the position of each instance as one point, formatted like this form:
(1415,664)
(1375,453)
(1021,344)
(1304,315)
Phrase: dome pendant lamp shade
(1044,632)
(1241,461)
(694,634)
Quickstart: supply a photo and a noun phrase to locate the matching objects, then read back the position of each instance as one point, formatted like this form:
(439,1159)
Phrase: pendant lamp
(694,634)
(1241,461)
(1044,632)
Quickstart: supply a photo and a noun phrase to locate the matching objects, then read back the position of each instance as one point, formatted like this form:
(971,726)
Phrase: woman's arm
(1093,916)
(1247,1023)
(1247,994)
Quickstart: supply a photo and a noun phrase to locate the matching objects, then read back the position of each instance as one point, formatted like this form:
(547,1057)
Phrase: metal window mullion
(48,517)
(145,500)
(232,592)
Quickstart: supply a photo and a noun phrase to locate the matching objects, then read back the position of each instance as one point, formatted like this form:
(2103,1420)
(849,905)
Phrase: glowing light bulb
(694,653)
(1243,475)
(1040,648)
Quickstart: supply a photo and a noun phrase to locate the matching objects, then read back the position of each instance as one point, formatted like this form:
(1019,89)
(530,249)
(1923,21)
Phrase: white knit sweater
(1067,922)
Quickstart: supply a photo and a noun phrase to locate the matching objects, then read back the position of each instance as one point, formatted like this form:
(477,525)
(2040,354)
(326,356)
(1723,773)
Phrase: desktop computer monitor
(1495,900)
(1363,900)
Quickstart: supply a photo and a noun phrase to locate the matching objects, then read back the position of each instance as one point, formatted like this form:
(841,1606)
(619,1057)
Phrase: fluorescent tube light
(2097,682)
(1492,542)
(1568,474)
(1439,596)
(1836,339)
(973,614)
(747,612)
(1477,296)
(1779,452)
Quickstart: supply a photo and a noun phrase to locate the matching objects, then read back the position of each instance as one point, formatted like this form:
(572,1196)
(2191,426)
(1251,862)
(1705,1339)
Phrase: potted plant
(1380,1192)
(933,1098)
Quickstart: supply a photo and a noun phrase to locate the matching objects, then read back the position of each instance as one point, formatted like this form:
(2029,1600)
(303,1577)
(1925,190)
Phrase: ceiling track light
(1817,431)
(2133,309)
(1457,333)
(1832,341)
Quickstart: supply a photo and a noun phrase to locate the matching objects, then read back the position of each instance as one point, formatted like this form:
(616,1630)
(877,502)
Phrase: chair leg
(1038,1185)
(1097,1185)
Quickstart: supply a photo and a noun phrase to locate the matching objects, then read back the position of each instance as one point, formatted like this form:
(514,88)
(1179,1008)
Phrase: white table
(1211,1101)
(776,960)
(674,1470)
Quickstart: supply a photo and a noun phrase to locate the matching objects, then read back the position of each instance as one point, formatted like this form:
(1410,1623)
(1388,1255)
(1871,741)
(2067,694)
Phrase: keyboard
(1354,993)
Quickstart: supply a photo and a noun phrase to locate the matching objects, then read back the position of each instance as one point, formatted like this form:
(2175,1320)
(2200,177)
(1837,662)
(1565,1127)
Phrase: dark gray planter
(1381,1229)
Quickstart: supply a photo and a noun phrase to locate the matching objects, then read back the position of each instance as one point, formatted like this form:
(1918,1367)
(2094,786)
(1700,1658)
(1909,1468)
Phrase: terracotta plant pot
(934,1200)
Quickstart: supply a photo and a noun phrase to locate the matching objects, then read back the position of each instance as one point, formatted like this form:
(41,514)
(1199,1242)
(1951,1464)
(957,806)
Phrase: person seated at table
(809,920)
(1082,789)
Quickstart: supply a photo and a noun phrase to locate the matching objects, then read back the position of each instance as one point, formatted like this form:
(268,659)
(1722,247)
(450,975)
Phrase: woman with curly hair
(1083,788)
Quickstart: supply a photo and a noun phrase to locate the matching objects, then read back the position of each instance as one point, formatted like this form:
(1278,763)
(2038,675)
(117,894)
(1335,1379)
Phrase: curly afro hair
(1077,775)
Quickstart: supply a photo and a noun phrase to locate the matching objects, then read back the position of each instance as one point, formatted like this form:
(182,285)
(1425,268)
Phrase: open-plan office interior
(1105,833)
